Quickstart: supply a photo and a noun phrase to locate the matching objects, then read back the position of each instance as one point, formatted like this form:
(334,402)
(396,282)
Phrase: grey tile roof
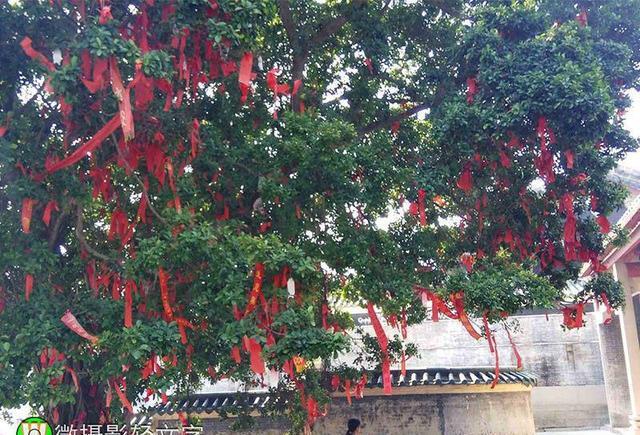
(453,376)
(211,402)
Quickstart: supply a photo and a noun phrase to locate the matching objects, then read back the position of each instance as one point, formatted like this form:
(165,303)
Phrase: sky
(632,123)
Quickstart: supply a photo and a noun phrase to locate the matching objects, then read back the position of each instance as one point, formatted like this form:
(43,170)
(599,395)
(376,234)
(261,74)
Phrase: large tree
(189,186)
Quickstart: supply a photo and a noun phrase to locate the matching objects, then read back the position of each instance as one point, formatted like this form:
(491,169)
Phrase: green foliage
(604,283)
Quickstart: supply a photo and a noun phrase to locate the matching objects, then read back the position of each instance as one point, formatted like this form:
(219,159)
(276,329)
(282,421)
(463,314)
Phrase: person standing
(353,426)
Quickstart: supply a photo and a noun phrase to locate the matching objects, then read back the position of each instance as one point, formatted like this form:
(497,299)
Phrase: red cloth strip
(27,211)
(244,75)
(496,372)
(36,55)
(164,293)
(383,341)
(256,290)
(515,349)
(458,302)
(72,323)
(87,147)
(28,286)
(123,398)
(46,215)
(255,355)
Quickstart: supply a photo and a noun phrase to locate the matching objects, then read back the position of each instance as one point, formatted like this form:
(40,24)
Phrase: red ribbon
(572,315)
(603,222)
(100,66)
(383,341)
(468,261)
(569,155)
(28,286)
(496,372)
(487,332)
(195,137)
(256,290)
(418,207)
(72,323)
(27,211)
(581,18)
(347,390)
(544,131)
(164,294)
(87,147)
(465,181)
(272,83)
(458,302)
(235,354)
(121,395)
(515,349)
(608,316)
(124,100)
(244,75)
(74,377)
(255,354)
(182,325)
(36,55)
(46,216)
(472,89)
(325,313)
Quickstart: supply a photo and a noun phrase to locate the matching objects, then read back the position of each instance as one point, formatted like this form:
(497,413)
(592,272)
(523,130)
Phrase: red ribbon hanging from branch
(117,385)
(72,323)
(194,137)
(87,147)
(74,377)
(608,315)
(235,354)
(124,100)
(465,182)
(244,75)
(496,372)
(256,289)
(515,349)
(458,302)
(28,286)
(468,260)
(100,66)
(472,89)
(46,215)
(164,294)
(603,223)
(572,315)
(383,341)
(418,208)
(487,332)
(27,211)
(255,354)
(36,55)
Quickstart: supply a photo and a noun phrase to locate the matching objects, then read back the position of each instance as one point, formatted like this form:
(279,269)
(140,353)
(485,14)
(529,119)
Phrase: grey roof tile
(211,402)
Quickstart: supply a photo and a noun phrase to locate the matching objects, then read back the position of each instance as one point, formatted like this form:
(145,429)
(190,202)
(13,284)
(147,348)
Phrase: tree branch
(289,25)
(438,96)
(331,27)
(386,122)
(83,241)
(55,231)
